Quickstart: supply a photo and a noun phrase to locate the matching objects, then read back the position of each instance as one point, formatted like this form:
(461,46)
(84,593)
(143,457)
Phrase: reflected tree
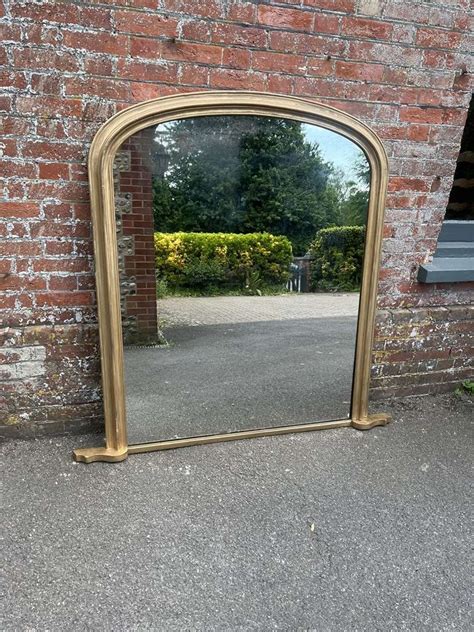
(244,174)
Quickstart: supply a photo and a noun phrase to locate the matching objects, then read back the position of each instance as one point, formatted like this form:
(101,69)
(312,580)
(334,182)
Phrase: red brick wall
(67,66)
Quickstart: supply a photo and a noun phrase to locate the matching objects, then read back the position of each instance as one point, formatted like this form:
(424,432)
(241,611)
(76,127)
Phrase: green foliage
(242,174)
(338,255)
(282,182)
(353,209)
(466,387)
(162,289)
(217,262)
(253,283)
(350,199)
(200,274)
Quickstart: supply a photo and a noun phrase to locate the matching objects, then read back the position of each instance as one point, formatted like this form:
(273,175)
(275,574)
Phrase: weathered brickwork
(51,374)
(423,350)
(402,67)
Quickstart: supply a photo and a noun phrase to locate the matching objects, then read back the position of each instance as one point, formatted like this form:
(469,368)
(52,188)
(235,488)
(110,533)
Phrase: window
(453,260)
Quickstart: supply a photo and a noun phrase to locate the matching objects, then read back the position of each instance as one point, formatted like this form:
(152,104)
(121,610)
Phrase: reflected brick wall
(404,68)
(134,214)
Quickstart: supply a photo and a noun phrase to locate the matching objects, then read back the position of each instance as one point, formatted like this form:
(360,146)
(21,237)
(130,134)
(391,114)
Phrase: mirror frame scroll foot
(378,419)
(109,455)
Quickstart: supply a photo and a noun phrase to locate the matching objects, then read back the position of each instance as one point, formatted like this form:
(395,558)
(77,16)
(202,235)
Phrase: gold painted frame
(101,156)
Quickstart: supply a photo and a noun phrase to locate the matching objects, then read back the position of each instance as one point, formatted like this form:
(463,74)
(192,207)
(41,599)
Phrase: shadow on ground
(333,530)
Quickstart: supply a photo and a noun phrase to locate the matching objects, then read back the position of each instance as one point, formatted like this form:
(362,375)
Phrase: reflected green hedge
(221,260)
(338,255)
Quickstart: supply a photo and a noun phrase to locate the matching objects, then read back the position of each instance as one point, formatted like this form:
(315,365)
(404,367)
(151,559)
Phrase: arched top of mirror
(141,115)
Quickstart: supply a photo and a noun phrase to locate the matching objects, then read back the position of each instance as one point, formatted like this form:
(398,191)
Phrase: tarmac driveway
(333,531)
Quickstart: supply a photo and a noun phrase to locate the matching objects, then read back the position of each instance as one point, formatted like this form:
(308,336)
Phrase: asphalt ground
(212,379)
(330,531)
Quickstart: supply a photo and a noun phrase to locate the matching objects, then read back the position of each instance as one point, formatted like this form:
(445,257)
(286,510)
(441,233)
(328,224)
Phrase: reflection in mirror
(241,242)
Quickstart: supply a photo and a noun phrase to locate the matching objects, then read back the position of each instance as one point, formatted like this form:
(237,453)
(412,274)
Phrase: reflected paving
(257,365)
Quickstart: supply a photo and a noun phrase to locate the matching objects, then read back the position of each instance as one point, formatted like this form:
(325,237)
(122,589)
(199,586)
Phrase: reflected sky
(335,148)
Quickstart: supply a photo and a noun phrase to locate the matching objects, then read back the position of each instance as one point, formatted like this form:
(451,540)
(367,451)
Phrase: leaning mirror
(237,240)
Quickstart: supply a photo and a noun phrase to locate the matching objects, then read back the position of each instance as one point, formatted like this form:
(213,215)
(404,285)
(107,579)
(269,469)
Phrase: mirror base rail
(89,455)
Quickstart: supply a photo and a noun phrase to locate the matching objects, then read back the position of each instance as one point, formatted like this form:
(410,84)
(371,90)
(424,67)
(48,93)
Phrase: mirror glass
(240,248)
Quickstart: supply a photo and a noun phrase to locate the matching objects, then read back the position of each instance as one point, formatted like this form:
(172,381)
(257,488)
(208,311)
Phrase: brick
(58,248)
(10,32)
(53,170)
(285,18)
(410,13)
(22,283)
(209,9)
(244,12)
(60,299)
(54,229)
(391,54)
(60,265)
(64,14)
(280,83)
(98,65)
(61,212)
(6,104)
(326,24)
(236,58)
(407,184)
(277,62)
(41,33)
(21,248)
(46,84)
(141,71)
(45,59)
(236,79)
(344,6)
(237,35)
(19,209)
(179,51)
(100,43)
(51,129)
(62,283)
(453,116)
(142,92)
(9,147)
(197,30)
(49,106)
(13,125)
(361,27)
(306,44)
(363,72)
(13,80)
(108,88)
(421,114)
(52,151)
(145,23)
(418,132)
(434,38)
(319,67)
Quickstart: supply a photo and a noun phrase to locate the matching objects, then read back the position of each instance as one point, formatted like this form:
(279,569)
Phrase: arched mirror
(237,240)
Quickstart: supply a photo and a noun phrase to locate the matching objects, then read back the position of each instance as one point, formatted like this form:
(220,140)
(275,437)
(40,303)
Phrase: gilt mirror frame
(100,165)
